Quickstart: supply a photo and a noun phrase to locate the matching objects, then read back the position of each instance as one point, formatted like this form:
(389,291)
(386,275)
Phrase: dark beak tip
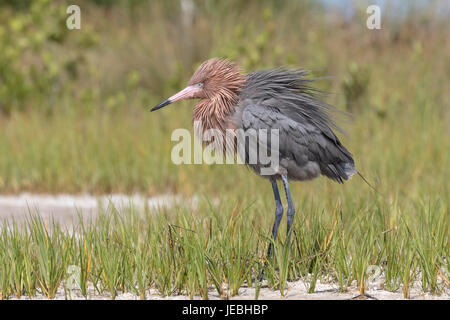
(162,104)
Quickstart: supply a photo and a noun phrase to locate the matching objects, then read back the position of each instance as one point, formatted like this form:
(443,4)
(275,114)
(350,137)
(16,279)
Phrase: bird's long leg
(278,216)
(276,224)
(290,210)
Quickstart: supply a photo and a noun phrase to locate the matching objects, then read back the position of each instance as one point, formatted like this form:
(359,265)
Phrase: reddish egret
(271,99)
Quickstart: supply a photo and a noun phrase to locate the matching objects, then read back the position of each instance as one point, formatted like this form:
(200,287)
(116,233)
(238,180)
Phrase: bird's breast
(213,126)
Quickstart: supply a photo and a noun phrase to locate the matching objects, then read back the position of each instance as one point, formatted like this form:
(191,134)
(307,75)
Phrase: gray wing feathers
(300,141)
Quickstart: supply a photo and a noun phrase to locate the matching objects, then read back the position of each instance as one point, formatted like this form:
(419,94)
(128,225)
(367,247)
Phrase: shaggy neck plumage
(214,112)
(222,83)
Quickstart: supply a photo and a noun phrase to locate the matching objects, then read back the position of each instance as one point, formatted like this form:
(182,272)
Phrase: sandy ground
(65,209)
(296,291)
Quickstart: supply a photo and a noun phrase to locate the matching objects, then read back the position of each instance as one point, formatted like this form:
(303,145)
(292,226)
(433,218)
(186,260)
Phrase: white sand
(296,291)
(65,208)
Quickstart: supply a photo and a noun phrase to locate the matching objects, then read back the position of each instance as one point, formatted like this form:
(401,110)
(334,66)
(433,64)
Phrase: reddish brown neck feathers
(222,81)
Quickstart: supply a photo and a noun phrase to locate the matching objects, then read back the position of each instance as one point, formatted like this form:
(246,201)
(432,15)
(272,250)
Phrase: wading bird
(271,99)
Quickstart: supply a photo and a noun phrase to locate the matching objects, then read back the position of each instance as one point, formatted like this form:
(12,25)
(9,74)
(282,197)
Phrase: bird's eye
(200,84)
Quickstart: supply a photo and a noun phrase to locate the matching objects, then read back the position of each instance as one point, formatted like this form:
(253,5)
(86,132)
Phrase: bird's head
(214,78)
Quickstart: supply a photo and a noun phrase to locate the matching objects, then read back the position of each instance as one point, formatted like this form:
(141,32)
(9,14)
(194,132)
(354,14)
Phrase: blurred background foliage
(74,103)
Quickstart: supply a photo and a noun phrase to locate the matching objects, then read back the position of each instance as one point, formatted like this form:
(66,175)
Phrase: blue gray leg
(278,216)
(290,210)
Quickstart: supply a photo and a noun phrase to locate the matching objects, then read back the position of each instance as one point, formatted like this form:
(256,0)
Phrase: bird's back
(284,100)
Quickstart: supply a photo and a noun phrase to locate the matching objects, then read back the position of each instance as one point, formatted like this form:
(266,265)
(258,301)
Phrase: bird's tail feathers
(349,169)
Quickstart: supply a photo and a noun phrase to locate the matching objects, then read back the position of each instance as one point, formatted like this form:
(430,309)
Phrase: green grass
(222,247)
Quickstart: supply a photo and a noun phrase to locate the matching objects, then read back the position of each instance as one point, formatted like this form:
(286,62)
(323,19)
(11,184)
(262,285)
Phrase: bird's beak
(189,92)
